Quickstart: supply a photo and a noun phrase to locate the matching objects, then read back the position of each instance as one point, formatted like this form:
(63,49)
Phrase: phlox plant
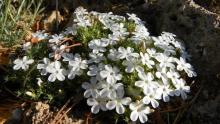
(113,59)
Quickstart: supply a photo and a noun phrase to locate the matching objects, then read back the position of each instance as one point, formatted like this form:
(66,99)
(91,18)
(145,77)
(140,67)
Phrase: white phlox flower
(134,18)
(118,102)
(146,81)
(173,75)
(181,89)
(126,53)
(113,53)
(146,60)
(151,97)
(164,91)
(76,66)
(71,30)
(119,30)
(81,17)
(56,38)
(141,33)
(162,74)
(152,52)
(98,103)
(40,35)
(110,90)
(56,72)
(111,74)
(91,88)
(131,64)
(182,65)
(98,45)
(139,111)
(22,63)
(96,57)
(165,61)
(42,67)
(67,57)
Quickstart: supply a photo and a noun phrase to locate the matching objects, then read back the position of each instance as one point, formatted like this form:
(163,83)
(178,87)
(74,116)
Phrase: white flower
(162,74)
(134,18)
(97,104)
(112,40)
(98,45)
(71,30)
(76,66)
(182,65)
(80,11)
(94,70)
(110,90)
(181,89)
(40,35)
(43,67)
(173,75)
(119,32)
(165,92)
(55,71)
(113,55)
(22,63)
(152,52)
(131,65)
(82,20)
(111,74)
(150,97)
(91,88)
(139,110)
(67,57)
(96,57)
(126,53)
(78,62)
(56,38)
(145,58)
(146,81)
(118,102)
(165,61)
(141,33)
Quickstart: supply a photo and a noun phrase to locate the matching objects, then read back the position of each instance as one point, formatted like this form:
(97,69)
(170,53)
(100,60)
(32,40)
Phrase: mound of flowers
(119,65)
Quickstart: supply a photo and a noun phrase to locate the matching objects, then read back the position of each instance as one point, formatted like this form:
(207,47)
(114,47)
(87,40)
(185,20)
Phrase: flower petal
(143,118)
(120,109)
(91,101)
(52,78)
(95,109)
(111,105)
(104,74)
(126,101)
(154,103)
(146,100)
(60,77)
(134,116)
(87,93)
(139,83)
(16,67)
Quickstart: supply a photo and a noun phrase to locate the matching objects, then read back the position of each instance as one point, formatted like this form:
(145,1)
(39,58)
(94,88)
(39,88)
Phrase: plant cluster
(114,59)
